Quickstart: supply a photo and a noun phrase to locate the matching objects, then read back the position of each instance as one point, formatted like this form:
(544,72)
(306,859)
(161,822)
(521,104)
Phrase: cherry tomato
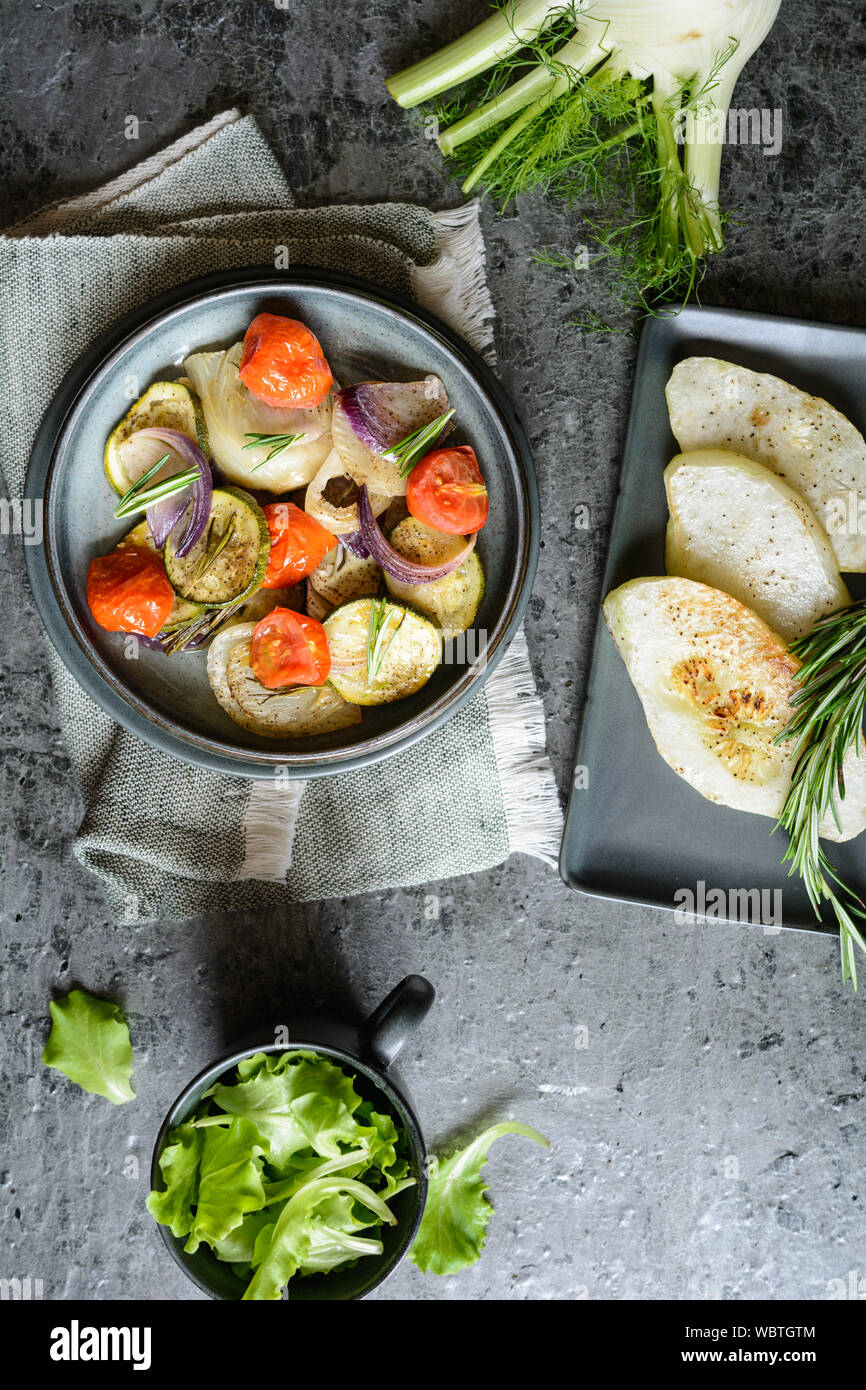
(298,544)
(128,591)
(288,648)
(446,491)
(283,364)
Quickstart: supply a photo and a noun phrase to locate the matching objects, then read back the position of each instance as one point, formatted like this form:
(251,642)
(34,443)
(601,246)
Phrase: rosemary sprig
(277,443)
(211,555)
(377,648)
(407,453)
(195,631)
(827,724)
(145,478)
(139,497)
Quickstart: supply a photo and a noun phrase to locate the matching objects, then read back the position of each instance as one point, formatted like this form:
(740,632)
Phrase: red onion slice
(164,516)
(395,564)
(354,543)
(382,413)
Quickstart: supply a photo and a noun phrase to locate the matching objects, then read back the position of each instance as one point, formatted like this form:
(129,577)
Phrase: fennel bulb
(592,98)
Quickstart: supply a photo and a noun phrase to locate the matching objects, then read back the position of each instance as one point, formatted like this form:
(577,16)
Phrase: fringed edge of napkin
(454,285)
(530,797)
(270,820)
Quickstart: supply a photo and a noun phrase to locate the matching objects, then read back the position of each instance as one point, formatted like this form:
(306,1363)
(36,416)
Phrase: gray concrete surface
(708,1140)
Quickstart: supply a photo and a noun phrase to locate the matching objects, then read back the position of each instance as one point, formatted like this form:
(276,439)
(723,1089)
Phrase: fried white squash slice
(715,404)
(736,526)
(716,683)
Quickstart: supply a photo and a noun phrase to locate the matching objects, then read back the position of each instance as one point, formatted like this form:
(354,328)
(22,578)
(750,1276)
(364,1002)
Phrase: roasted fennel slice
(297,712)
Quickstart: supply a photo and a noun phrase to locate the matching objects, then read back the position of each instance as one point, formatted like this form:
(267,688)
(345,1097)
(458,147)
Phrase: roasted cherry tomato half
(288,648)
(446,491)
(128,591)
(298,544)
(283,364)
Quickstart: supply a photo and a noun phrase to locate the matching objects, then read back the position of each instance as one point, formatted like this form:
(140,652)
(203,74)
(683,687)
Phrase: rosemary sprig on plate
(277,443)
(827,724)
(407,453)
(377,647)
(140,497)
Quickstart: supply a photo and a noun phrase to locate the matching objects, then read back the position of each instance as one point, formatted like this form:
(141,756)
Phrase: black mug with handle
(368,1052)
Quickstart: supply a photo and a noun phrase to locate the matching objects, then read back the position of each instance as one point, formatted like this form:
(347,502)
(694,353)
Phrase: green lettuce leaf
(308,1103)
(179,1166)
(454,1225)
(279,1252)
(90,1044)
(239,1246)
(229,1184)
(275,1062)
(382,1139)
(352,1163)
(290,1244)
(334,1235)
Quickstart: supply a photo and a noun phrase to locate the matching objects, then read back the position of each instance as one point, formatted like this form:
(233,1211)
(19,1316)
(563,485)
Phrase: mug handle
(391,1025)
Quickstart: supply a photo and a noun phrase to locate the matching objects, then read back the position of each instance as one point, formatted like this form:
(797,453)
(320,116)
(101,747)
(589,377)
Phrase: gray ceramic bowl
(366,333)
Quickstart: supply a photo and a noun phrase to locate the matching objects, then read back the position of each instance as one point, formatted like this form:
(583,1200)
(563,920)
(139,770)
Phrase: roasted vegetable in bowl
(452,601)
(382,651)
(292,712)
(264,490)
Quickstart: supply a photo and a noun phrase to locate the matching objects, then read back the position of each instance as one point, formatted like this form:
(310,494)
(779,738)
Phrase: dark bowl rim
(379,1077)
(96,676)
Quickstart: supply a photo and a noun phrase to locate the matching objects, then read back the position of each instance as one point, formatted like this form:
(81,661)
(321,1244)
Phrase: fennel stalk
(590,100)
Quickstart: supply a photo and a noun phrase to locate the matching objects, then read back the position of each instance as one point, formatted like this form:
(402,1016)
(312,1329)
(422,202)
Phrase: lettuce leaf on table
(90,1044)
(454,1225)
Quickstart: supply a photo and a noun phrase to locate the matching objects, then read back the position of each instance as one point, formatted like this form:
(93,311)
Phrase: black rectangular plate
(637,832)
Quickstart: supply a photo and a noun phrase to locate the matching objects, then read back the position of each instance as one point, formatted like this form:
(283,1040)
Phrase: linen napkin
(172,841)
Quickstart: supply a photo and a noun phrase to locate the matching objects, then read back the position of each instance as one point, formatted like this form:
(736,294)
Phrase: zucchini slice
(451,602)
(299,712)
(171,405)
(409,648)
(230,558)
(342,576)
